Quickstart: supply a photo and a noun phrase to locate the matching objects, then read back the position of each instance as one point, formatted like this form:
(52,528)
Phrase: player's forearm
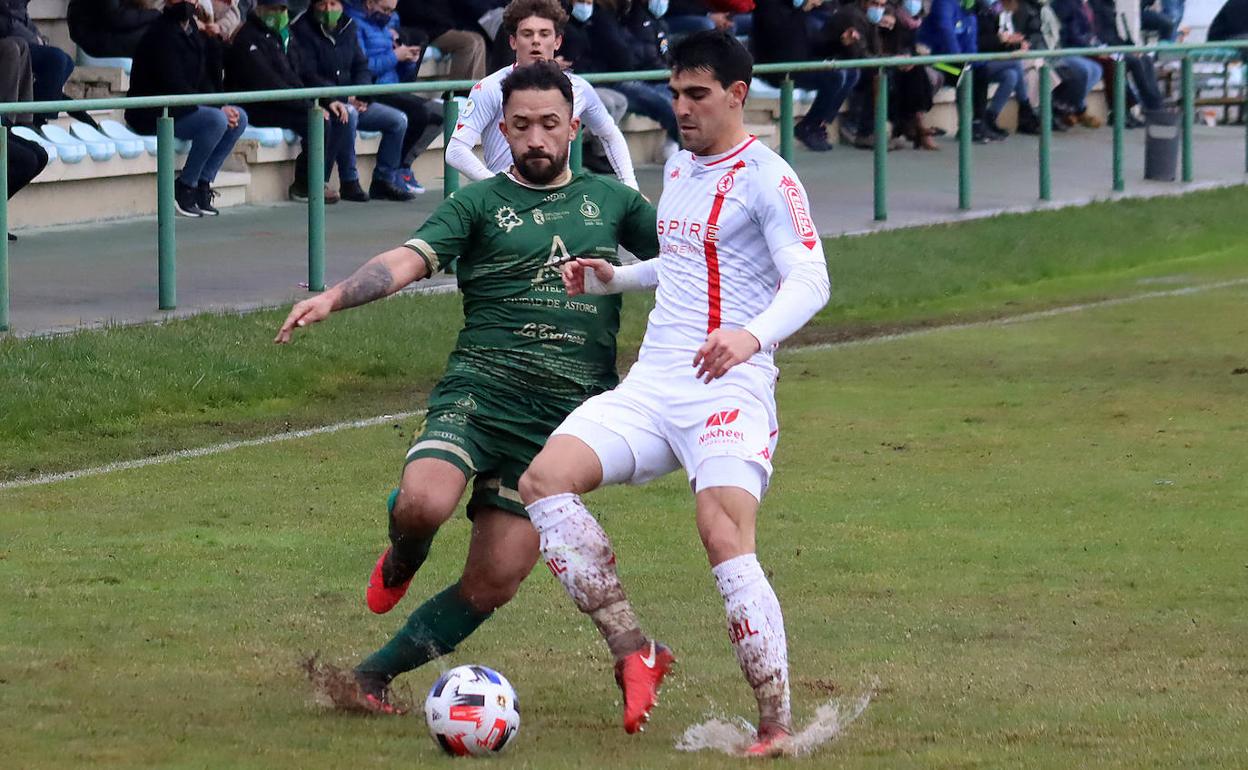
(803,293)
(461,156)
(635,277)
(616,147)
(379,277)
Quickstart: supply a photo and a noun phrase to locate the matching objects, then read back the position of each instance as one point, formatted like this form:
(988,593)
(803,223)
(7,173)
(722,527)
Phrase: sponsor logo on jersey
(469,106)
(589,209)
(467,403)
(715,431)
(507,219)
(802,223)
(694,229)
(453,418)
(675,173)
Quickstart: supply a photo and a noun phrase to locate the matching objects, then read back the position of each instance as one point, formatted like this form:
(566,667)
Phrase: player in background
(535,29)
(526,357)
(740,268)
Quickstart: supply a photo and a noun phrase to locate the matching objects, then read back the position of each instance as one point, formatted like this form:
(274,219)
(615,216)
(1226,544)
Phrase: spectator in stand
(1084,27)
(594,41)
(174,57)
(911,88)
(648,39)
(260,59)
(437,21)
(330,55)
(783,32)
(685,17)
(26,160)
(49,65)
(859,20)
(391,61)
(1153,19)
(1111,29)
(1037,22)
(996,35)
(16,79)
(1231,23)
(107,28)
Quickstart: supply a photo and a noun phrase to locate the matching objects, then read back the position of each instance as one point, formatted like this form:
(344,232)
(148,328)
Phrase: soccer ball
(472,710)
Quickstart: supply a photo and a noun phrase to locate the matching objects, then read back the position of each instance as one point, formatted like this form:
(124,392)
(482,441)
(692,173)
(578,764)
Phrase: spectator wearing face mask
(648,39)
(911,88)
(996,35)
(1035,20)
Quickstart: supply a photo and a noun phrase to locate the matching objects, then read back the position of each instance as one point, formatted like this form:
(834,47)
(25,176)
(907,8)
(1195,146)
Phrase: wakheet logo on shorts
(722,418)
(716,432)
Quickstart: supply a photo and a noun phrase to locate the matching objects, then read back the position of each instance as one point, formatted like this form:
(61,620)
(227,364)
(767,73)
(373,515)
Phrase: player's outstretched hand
(303,313)
(574,273)
(724,349)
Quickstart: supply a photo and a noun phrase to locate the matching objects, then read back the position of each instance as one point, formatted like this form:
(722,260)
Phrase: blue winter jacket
(378,45)
(949,28)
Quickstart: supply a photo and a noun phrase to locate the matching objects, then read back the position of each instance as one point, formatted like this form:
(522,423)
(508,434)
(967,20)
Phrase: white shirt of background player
(479,119)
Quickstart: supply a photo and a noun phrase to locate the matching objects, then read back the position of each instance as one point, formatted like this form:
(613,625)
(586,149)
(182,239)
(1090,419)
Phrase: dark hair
(717,51)
(539,76)
(519,10)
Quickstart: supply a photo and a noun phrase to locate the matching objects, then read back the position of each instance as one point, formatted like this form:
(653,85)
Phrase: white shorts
(669,419)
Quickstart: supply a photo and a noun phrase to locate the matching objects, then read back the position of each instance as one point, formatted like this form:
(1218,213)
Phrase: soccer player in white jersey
(740,268)
(535,29)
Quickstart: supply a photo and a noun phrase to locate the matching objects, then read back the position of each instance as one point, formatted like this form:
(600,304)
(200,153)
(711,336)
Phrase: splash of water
(733,735)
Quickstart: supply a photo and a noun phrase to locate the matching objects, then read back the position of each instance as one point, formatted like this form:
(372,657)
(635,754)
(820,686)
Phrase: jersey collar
(711,160)
(562,181)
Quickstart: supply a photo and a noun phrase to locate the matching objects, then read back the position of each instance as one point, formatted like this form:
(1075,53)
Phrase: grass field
(1026,542)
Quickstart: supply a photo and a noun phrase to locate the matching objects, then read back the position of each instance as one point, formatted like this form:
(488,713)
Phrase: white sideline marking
(184,454)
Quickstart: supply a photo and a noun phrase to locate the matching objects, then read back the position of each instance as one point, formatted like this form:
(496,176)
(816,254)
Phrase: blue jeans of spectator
(50,67)
(1008,75)
(831,88)
(651,98)
(392,124)
(1145,79)
(211,138)
(1079,76)
(686,24)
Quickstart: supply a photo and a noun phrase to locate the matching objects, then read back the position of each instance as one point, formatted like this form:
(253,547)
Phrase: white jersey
(721,221)
(479,118)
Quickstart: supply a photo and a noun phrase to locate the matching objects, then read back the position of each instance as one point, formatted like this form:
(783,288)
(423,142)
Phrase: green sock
(431,631)
(408,553)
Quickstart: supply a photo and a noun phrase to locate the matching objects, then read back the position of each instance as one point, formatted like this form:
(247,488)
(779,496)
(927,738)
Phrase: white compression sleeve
(460,156)
(804,290)
(616,147)
(634,277)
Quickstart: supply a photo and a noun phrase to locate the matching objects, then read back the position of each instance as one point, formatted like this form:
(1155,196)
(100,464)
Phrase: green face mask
(329,19)
(277,21)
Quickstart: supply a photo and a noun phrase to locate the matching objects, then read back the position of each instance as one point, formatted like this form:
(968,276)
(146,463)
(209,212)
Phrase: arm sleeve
(782,210)
(460,155)
(599,122)
(445,235)
(634,277)
(484,106)
(639,232)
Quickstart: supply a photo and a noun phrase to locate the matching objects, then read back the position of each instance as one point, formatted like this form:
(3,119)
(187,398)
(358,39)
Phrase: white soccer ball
(472,711)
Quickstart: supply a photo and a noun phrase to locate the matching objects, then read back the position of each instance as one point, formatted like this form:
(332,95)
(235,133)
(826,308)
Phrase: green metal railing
(166,240)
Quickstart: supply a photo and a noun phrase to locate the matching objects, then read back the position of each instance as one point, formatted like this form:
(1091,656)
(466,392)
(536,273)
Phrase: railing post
(1189,116)
(1120,119)
(786,119)
(576,155)
(964,138)
(1046,132)
(4,228)
(167,244)
(450,116)
(316,198)
(881,145)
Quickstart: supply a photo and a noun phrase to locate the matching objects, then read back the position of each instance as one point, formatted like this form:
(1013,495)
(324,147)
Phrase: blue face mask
(379,18)
(582,11)
(658,8)
(875,14)
(798,3)
(914,7)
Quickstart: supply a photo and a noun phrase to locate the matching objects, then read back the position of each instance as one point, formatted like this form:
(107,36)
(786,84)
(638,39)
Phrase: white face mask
(658,8)
(582,11)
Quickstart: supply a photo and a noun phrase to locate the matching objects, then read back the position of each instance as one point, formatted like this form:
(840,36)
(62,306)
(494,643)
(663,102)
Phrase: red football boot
(382,598)
(640,675)
(772,741)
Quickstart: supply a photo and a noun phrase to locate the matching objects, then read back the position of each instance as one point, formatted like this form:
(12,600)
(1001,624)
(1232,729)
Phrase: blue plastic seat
(290,136)
(267,137)
(114,130)
(99,151)
(118,62)
(68,149)
(369,134)
(126,148)
(29,135)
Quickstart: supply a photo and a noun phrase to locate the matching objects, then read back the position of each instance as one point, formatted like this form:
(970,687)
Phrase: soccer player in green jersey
(527,356)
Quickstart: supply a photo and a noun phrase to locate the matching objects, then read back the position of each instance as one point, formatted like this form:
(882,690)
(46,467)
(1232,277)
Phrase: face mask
(182,12)
(914,7)
(968,4)
(278,22)
(329,19)
(658,8)
(798,3)
(379,18)
(582,11)
(875,14)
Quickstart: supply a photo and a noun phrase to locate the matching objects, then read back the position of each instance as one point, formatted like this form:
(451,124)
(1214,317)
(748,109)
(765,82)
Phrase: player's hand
(574,273)
(724,349)
(303,313)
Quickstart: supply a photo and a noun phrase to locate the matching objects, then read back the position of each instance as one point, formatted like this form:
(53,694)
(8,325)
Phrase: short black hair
(538,76)
(717,51)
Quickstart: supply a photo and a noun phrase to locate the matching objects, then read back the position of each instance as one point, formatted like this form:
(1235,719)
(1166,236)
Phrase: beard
(539,168)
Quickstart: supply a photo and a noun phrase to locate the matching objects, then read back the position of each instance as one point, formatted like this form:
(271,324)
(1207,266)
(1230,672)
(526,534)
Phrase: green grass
(99,396)
(1030,537)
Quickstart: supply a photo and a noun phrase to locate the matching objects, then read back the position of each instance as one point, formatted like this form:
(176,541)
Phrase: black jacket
(17,22)
(1231,22)
(599,45)
(172,60)
(781,34)
(255,61)
(108,27)
(433,17)
(329,58)
(851,15)
(647,37)
(1105,15)
(990,30)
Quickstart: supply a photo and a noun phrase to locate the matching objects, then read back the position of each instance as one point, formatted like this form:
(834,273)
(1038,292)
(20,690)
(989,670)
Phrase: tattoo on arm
(370,282)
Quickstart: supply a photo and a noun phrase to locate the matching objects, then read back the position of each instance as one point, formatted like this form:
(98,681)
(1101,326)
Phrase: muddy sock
(433,630)
(756,630)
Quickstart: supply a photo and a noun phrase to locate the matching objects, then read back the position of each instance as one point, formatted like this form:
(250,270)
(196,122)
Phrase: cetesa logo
(723,418)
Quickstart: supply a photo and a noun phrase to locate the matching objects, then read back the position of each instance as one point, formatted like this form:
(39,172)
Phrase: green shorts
(491,437)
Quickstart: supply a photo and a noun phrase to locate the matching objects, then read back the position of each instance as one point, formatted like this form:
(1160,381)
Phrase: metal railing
(167,246)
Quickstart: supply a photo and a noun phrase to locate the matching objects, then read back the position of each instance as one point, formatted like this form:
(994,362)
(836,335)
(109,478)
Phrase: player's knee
(490,589)
(422,509)
(542,479)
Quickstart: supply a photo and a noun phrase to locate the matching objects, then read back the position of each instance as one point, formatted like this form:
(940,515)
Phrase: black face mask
(182,12)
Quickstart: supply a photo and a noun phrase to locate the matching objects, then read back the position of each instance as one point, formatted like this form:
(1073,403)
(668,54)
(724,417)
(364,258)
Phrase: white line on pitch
(184,454)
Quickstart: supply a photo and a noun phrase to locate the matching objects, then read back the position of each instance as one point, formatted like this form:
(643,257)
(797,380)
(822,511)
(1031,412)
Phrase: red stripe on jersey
(713,311)
(733,155)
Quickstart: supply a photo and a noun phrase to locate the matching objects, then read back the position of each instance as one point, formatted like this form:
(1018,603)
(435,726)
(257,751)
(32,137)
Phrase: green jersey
(522,332)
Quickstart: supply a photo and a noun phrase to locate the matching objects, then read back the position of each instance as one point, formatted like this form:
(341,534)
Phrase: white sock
(579,554)
(756,630)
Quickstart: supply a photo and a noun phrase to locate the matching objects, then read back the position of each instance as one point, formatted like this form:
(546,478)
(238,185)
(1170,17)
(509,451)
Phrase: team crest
(466,403)
(538,217)
(725,183)
(590,209)
(802,223)
(507,219)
